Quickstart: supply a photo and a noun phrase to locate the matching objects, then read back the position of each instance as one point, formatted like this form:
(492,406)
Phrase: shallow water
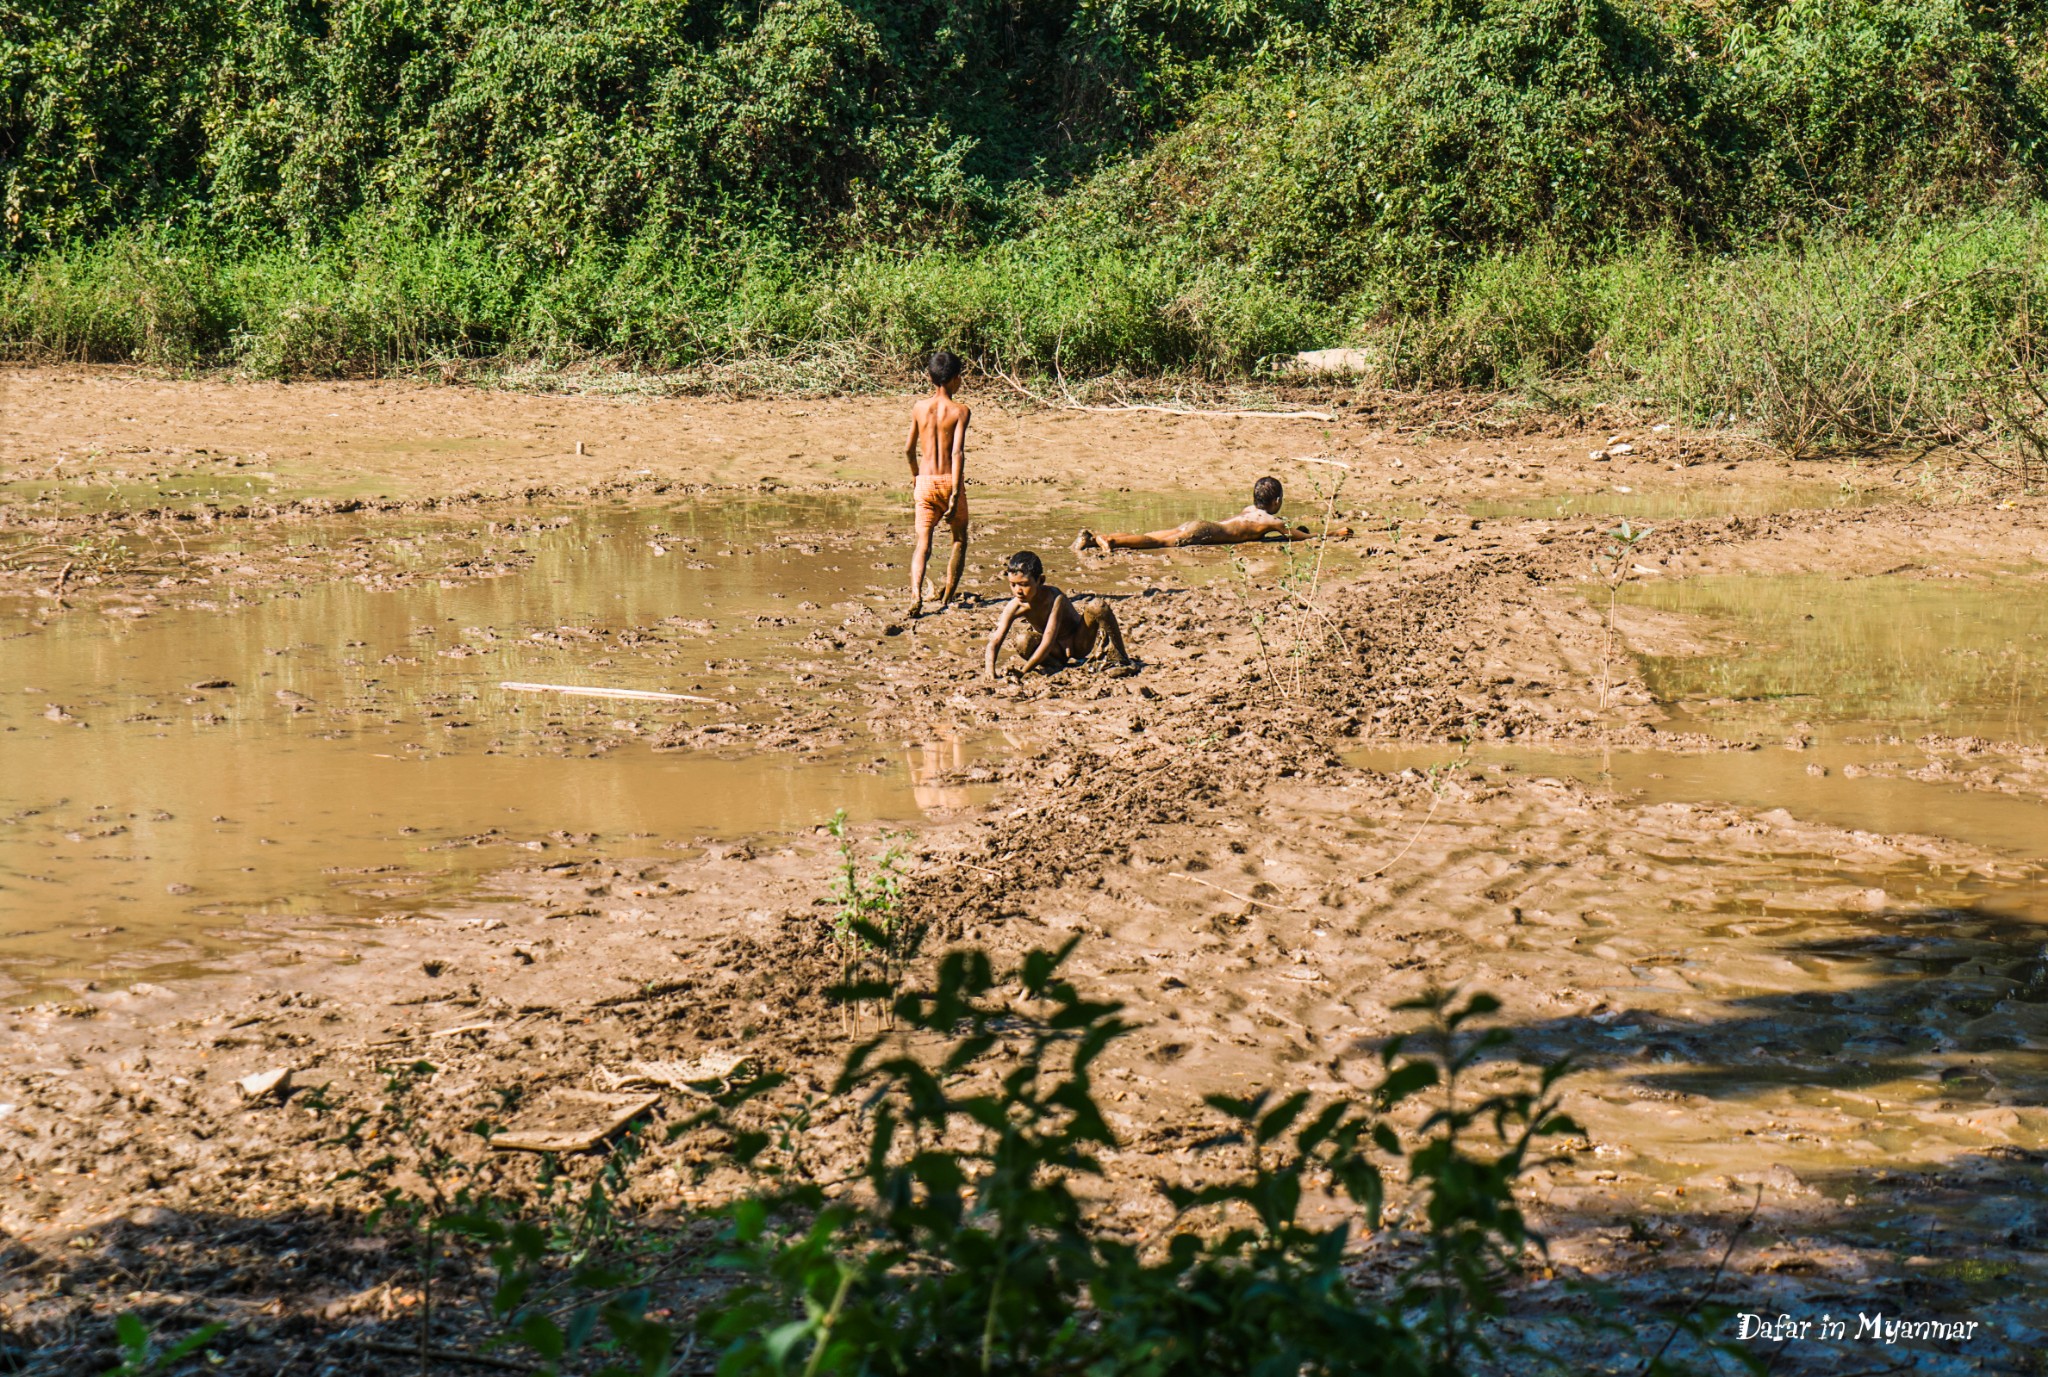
(1809,784)
(362,759)
(1830,679)
(1899,653)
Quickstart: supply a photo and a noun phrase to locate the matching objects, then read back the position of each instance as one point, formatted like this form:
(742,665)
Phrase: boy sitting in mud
(937,452)
(1065,632)
(1254,523)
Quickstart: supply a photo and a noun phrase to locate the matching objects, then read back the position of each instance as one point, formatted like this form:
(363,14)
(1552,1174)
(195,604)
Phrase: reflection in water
(1962,657)
(935,767)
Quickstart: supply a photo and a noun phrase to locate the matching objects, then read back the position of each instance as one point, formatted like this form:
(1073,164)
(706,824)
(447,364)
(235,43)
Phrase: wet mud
(1774,885)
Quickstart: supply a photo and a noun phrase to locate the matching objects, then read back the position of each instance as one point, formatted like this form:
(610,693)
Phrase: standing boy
(937,452)
(1062,632)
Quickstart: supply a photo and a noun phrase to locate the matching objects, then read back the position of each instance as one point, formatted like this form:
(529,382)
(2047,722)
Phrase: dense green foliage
(557,126)
(1052,185)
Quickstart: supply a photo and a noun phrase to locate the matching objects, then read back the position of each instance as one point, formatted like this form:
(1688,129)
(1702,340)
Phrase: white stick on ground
(643,695)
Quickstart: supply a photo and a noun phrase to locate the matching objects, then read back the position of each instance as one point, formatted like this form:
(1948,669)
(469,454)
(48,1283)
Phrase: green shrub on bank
(968,1240)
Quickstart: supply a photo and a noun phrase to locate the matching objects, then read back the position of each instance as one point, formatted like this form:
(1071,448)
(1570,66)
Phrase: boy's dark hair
(1266,494)
(1028,564)
(944,367)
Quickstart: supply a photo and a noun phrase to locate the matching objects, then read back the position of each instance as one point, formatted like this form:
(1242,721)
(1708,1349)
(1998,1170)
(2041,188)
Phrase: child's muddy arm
(1053,622)
(995,641)
(910,445)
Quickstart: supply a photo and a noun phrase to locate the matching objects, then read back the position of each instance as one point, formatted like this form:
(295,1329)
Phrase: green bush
(968,1242)
(552,126)
(970,1247)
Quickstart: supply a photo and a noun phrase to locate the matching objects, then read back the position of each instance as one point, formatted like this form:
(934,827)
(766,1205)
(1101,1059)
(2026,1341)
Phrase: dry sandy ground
(1744,990)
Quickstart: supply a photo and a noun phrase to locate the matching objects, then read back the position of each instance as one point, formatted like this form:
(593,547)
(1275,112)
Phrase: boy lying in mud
(1066,632)
(1254,523)
(937,451)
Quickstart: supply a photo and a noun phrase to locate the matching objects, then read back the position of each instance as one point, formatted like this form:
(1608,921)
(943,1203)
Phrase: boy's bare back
(937,426)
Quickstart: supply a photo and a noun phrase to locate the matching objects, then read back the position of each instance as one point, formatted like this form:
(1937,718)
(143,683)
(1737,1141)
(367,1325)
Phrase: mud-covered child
(1062,631)
(937,451)
(1260,521)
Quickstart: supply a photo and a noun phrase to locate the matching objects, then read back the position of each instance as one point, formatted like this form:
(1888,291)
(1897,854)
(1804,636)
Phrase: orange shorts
(934,495)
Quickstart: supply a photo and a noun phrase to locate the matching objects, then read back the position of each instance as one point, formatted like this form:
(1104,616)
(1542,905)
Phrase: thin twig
(1713,1281)
(451,1355)
(1278,908)
(1435,797)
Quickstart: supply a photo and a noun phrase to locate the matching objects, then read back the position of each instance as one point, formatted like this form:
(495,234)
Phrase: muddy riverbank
(1776,901)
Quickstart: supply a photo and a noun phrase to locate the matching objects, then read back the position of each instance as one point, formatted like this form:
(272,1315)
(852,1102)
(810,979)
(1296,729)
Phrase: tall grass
(1916,336)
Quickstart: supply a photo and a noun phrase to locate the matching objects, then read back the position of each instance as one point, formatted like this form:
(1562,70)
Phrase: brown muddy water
(1851,697)
(1913,651)
(179,784)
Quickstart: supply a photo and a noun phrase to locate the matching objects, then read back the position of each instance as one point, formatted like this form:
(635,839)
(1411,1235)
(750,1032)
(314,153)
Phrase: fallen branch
(641,695)
(1225,415)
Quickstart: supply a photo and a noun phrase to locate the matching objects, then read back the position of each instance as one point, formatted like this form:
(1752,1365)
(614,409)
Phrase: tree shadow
(294,1292)
(1927,1032)
(1957,996)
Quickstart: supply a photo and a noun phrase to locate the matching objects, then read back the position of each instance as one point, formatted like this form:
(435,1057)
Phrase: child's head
(1266,495)
(1025,571)
(944,369)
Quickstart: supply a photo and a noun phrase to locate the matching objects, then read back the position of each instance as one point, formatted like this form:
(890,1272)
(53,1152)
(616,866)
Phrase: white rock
(1332,361)
(265,1083)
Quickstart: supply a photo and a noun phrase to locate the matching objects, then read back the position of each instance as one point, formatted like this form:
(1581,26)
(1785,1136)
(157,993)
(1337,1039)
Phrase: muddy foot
(1087,540)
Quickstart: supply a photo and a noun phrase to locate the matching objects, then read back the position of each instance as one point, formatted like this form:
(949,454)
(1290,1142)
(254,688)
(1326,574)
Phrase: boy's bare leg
(1098,621)
(1192,533)
(920,552)
(1115,634)
(956,565)
(1126,540)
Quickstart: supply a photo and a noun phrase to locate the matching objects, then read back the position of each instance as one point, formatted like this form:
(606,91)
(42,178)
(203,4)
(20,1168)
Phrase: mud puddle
(1913,651)
(185,781)
(1898,704)
(1818,785)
